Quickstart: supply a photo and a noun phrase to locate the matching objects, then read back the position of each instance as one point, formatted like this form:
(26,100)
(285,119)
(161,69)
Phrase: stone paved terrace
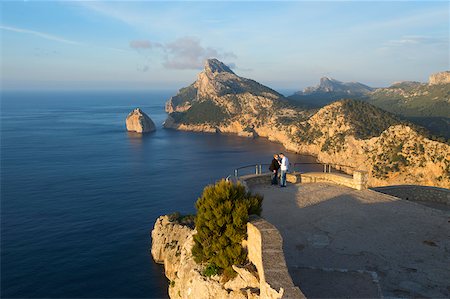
(340,242)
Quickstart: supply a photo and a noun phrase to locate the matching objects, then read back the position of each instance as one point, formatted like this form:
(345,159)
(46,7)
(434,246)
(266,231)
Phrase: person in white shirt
(284,167)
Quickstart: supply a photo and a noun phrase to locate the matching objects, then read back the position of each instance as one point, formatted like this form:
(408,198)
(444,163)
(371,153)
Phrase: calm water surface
(79,195)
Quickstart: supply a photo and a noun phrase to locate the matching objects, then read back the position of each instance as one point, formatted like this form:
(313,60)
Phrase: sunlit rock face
(440,78)
(138,121)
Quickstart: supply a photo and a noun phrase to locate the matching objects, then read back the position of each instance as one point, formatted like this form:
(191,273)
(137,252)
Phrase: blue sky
(286,45)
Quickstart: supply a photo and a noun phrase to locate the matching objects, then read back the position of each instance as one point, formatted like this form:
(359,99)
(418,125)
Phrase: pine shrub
(221,223)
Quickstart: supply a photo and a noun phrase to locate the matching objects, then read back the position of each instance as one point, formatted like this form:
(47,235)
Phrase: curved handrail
(327,167)
(247,166)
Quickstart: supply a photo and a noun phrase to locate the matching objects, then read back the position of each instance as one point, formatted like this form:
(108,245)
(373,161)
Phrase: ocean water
(79,194)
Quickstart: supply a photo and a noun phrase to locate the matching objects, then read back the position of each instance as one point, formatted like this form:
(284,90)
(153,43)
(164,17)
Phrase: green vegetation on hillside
(306,133)
(185,95)
(414,100)
(425,105)
(390,160)
(200,113)
(319,99)
(221,223)
(366,120)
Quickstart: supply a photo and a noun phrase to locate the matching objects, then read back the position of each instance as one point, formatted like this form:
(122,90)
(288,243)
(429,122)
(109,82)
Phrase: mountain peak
(214,65)
(328,79)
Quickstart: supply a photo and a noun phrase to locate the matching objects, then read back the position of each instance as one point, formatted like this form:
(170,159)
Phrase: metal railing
(257,167)
(327,167)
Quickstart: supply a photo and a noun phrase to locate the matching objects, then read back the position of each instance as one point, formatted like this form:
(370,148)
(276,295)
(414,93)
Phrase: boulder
(138,121)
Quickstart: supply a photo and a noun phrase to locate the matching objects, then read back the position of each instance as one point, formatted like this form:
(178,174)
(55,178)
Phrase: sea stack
(138,121)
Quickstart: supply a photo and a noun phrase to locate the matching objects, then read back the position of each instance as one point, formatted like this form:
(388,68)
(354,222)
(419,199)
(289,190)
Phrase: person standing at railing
(284,167)
(274,166)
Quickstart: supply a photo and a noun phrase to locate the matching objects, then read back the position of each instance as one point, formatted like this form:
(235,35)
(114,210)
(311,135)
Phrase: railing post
(236,173)
(256,169)
(324,167)
(260,168)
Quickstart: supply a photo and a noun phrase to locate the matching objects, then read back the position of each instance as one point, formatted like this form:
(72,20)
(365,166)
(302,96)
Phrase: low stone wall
(417,193)
(255,179)
(265,251)
(358,181)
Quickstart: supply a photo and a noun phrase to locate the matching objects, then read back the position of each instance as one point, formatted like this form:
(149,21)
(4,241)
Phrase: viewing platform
(343,241)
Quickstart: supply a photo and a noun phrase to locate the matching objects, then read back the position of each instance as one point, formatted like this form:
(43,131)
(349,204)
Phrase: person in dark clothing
(274,166)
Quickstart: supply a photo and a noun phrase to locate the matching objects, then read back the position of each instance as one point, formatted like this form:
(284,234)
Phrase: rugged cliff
(172,243)
(347,132)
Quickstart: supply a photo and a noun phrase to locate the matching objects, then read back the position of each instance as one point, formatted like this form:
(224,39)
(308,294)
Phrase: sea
(80,194)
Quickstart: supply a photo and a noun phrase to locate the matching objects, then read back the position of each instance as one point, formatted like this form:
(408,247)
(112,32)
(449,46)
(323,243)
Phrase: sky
(287,45)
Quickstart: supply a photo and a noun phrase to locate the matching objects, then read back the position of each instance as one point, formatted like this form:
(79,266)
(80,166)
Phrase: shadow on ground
(340,242)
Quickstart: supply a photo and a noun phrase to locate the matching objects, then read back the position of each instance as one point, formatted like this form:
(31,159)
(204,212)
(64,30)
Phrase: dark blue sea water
(79,195)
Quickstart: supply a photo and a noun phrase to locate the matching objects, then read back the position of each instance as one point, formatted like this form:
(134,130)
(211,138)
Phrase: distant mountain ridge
(427,104)
(328,90)
(349,132)
(332,85)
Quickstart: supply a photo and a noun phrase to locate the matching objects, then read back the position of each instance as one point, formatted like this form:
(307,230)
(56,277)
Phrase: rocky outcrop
(440,78)
(265,275)
(138,121)
(352,133)
(172,244)
(218,95)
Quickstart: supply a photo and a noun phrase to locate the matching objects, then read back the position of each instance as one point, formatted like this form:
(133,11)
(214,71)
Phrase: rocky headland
(346,132)
(138,121)
(172,242)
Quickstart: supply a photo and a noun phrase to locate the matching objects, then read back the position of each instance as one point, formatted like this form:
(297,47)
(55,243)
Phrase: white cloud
(183,53)
(418,40)
(188,53)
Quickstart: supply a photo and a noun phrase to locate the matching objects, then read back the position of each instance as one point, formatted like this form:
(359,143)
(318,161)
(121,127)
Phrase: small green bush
(186,220)
(211,270)
(221,223)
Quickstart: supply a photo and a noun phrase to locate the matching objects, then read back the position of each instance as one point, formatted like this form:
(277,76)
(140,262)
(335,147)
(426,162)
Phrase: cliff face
(440,78)
(347,132)
(220,86)
(172,244)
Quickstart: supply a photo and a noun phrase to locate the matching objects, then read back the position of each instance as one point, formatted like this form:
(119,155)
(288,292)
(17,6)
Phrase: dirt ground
(341,242)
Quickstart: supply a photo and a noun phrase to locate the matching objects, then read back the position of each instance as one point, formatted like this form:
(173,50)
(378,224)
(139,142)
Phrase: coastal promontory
(138,121)
(348,132)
